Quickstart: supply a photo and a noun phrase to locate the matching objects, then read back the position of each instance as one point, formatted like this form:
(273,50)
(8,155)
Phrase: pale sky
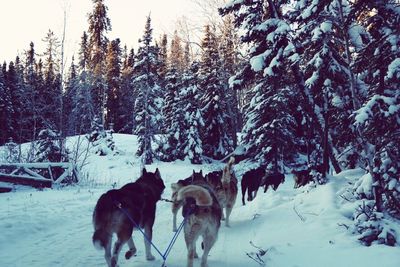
(23,21)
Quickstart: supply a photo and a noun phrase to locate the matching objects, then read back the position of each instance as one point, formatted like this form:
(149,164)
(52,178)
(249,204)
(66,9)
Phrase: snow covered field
(297,227)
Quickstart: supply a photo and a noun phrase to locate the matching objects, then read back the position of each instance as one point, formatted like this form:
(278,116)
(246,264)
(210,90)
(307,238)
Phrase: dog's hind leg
(132,249)
(107,252)
(243,193)
(228,210)
(117,249)
(191,236)
(149,233)
(208,242)
(175,208)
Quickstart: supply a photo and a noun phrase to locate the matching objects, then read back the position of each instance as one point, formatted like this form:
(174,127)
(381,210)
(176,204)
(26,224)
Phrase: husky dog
(230,189)
(251,181)
(273,180)
(115,210)
(176,205)
(203,218)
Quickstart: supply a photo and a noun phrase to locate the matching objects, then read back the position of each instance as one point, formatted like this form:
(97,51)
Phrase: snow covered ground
(296,227)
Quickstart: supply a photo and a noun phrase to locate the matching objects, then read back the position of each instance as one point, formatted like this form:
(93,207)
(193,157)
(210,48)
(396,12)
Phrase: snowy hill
(296,227)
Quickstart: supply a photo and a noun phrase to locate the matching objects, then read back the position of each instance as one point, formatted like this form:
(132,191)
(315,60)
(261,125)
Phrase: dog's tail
(226,175)
(199,193)
(101,214)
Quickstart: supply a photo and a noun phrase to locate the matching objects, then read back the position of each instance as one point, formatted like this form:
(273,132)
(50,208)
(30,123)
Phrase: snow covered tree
(268,122)
(101,139)
(49,149)
(192,146)
(377,119)
(148,103)
(215,136)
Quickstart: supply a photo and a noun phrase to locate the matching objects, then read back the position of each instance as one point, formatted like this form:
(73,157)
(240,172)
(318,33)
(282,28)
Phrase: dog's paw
(130,253)
(150,257)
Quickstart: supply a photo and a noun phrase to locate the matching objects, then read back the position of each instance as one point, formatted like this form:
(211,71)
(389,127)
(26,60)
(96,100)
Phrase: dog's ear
(157,173)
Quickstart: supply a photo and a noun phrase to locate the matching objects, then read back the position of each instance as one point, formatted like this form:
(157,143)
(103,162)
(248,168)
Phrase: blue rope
(172,242)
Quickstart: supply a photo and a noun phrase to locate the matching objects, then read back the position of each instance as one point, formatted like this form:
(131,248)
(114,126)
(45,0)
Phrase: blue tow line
(169,248)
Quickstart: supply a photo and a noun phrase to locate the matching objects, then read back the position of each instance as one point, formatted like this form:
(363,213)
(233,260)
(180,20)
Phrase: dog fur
(176,204)
(203,215)
(273,180)
(139,200)
(251,181)
(230,189)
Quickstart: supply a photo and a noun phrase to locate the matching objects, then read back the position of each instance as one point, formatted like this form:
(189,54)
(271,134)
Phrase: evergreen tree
(216,141)
(101,139)
(125,110)
(99,24)
(6,108)
(229,65)
(113,76)
(50,94)
(49,149)
(163,58)
(377,120)
(147,104)
(84,54)
(191,147)
(30,95)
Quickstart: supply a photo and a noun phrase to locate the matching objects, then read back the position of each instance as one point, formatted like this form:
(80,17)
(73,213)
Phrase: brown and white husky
(203,218)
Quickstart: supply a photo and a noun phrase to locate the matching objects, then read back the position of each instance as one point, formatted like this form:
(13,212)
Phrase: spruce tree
(193,123)
(127,97)
(113,76)
(377,120)
(216,141)
(99,25)
(147,103)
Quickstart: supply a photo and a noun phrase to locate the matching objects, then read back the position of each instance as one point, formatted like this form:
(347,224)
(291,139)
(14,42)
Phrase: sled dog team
(202,198)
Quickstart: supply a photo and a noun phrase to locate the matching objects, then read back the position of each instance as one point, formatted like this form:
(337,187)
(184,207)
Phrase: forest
(295,84)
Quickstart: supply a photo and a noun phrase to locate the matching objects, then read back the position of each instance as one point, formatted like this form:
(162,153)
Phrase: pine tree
(127,97)
(84,54)
(14,87)
(6,108)
(50,96)
(147,104)
(31,94)
(99,24)
(377,120)
(192,146)
(113,76)
(49,149)
(163,58)
(216,141)
(229,65)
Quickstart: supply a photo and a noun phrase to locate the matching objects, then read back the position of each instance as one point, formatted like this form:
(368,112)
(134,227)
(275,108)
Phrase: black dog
(251,181)
(273,180)
(115,210)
